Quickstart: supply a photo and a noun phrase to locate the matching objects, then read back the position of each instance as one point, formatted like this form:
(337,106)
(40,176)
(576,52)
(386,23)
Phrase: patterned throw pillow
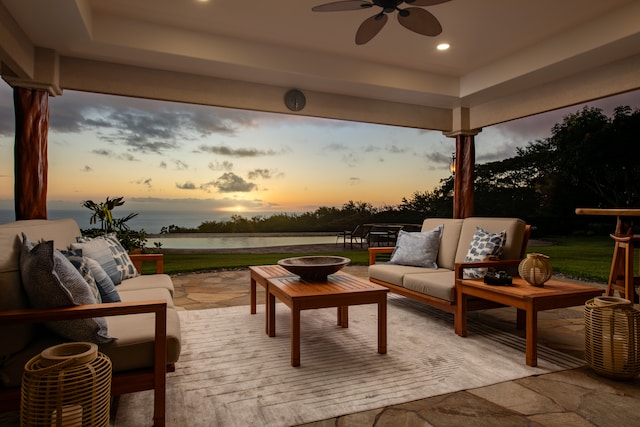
(417,249)
(119,254)
(98,249)
(80,263)
(104,285)
(484,246)
(51,281)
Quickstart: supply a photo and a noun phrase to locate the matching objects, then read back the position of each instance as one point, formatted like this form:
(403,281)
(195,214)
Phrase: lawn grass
(184,263)
(584,257)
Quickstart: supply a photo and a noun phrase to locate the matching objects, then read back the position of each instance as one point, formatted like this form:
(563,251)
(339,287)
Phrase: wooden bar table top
(340,290)
(624,225)
(529,299)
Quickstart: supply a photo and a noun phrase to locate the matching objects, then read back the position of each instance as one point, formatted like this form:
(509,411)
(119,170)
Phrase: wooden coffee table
(340,290)
(527,299)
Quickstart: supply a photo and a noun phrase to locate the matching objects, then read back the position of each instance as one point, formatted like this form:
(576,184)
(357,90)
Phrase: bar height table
(622,276)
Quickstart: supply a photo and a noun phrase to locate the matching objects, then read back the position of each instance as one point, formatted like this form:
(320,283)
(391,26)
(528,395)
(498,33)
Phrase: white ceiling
(499,48)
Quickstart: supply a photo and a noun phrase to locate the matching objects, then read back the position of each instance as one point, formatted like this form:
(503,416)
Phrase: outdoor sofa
(145,325)
(429,275)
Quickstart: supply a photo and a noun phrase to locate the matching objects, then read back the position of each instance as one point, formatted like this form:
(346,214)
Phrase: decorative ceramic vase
(535,269)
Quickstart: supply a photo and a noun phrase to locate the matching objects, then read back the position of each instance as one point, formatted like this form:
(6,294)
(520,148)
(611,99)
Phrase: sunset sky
(171,156)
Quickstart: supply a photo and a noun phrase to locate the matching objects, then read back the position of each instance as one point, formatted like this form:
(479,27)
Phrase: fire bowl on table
(314,268)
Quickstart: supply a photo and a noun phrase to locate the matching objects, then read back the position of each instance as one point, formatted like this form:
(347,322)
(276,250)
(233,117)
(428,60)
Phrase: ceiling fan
(415,19)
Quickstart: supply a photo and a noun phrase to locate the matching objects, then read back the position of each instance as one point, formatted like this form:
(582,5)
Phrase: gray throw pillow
(51,281)
(419,249)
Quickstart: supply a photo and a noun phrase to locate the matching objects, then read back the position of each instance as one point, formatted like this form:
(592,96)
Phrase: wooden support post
(31,163)
(463,187)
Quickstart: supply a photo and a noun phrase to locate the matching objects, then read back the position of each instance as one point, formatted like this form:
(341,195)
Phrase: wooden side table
(524,297)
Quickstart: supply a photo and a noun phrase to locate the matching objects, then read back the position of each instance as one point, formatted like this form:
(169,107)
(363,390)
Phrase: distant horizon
(151,221)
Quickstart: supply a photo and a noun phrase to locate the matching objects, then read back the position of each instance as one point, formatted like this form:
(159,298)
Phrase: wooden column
(31,163)
(463,196)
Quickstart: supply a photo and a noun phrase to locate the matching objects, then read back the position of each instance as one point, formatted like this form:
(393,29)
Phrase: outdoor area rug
(230,373)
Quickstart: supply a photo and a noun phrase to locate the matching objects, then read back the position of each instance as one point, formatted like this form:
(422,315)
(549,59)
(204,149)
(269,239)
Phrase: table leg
(521,317)
(271,314)
(532,337)
(267,311)
(295,336)
(460,319)
(382,326)
(343,316)
(253,295)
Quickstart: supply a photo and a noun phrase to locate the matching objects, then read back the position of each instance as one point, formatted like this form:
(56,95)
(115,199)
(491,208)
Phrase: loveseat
(143,329)
(431,276)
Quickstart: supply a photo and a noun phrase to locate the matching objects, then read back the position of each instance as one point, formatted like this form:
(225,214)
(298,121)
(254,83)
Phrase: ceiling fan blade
(420,21)
(337,6)
(425,2)
(370,27)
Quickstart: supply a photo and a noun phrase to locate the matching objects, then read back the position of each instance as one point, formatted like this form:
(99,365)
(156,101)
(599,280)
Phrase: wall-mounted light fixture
(452,165)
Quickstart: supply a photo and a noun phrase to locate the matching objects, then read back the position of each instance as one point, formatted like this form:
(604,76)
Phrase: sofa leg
(159,399)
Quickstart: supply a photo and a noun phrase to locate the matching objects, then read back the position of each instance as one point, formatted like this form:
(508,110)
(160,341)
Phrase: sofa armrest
(138,259)
(157,307)
(373,252)
(460,266)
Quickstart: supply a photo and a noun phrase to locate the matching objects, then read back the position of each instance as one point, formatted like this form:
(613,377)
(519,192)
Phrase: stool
(621,277)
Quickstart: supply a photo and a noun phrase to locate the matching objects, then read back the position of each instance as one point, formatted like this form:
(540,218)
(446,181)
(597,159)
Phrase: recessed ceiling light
(443,46)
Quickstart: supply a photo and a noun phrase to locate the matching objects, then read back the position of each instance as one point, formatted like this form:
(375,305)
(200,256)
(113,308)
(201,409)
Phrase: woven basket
(66,385)
(612,337)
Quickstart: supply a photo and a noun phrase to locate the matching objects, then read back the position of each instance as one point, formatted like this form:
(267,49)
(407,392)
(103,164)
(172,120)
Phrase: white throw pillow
(484,246)
(419,249)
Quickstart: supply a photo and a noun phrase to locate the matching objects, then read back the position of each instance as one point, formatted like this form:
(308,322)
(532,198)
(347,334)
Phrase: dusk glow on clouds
(171,156)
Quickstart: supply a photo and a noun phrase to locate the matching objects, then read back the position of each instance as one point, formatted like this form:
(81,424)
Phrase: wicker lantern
(612,337)
(535,269)
(67,385)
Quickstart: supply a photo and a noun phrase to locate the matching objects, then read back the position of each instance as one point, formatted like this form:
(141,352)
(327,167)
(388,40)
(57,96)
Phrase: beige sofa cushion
(448,241)
(513,226)
(136,295)
(133,348)
(392,273)
(147,281)
(438,284)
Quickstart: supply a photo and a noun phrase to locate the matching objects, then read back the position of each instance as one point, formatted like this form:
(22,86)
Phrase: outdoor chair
(359,234)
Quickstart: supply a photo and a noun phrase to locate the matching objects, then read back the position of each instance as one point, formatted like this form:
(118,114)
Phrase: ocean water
(151,221)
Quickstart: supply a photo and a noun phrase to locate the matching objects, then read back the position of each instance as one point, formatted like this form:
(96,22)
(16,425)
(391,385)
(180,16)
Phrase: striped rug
(230,373)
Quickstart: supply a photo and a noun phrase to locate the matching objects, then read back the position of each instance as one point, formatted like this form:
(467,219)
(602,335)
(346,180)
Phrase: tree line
(590,160)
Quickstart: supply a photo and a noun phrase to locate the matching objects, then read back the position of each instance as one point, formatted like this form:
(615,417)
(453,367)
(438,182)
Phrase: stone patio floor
(577,397)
